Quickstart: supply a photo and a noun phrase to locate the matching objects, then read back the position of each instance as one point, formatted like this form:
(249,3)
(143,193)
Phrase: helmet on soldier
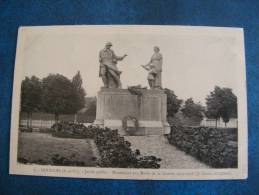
(108,44)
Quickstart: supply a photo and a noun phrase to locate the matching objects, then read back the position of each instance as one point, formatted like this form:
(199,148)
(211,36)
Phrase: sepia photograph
(129,102)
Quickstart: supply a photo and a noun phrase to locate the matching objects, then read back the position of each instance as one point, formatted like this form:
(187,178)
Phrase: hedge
(114,150)
(209,145)
(72,130)
(55,160)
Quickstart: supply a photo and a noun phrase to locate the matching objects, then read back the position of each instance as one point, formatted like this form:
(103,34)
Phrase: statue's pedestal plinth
(118,109)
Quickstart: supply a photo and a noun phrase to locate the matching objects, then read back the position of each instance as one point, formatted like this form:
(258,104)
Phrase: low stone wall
(209,145)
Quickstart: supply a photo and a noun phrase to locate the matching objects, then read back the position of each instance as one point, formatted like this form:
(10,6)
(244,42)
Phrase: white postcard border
(124,173)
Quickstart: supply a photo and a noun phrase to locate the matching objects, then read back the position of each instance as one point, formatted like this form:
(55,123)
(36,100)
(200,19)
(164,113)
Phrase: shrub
(46,130)
(25,129)
(72,130)
(212,146)
(56,160)
(64,161)
(114,150)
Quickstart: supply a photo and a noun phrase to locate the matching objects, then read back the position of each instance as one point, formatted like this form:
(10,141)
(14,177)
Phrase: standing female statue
(155,69)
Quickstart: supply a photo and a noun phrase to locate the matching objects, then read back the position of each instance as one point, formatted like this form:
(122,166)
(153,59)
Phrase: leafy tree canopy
(31,94)
(79,98)
(173,103)
(91,107)
(221,102)
(193,110)
(58,95)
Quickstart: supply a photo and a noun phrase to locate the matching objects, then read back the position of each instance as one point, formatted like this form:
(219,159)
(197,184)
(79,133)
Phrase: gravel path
(172,157)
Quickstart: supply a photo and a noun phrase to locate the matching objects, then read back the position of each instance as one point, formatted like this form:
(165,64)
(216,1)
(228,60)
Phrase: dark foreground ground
(186,147)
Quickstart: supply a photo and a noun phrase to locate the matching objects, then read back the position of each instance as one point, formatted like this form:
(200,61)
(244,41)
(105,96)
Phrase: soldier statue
(108,67)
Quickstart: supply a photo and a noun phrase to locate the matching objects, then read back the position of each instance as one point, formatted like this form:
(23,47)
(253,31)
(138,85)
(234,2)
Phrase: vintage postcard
(129,102)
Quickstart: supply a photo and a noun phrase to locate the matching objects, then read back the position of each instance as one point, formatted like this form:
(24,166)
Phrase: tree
(58,95)
(193,110)
(91,107)
(31,91)
(79,100)
(173,103)
(221,102)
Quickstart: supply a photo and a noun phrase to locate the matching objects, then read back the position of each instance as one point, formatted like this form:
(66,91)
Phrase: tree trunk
(56,121)
(75,118)
(31,120)
(28,120)
(56,117)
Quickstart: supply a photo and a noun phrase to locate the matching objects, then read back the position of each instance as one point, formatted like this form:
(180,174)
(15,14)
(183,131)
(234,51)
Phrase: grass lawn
(42,147)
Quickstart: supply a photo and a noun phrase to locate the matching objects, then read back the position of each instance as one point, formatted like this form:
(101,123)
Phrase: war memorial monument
(136,110)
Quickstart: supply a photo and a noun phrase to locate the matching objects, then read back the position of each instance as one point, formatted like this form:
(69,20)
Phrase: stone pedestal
(149,108)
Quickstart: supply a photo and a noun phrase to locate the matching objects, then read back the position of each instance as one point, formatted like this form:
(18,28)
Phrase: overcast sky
(194,61)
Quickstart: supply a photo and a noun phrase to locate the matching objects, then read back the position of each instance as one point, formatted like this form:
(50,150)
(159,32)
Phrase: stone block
(149,108)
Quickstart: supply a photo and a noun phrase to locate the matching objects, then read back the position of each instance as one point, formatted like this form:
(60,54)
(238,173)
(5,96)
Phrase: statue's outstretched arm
(145,67)
(119,58)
